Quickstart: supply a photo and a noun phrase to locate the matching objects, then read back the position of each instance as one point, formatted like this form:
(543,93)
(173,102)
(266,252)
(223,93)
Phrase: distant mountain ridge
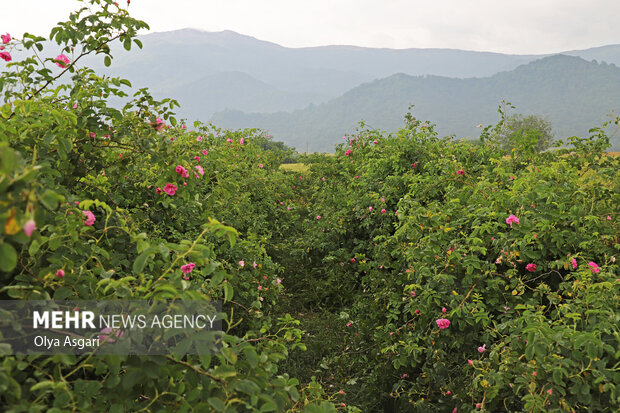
(572,93)
(172,61)
(216,75)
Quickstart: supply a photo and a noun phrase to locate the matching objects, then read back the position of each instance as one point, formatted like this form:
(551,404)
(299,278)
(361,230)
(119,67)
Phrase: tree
(531,133)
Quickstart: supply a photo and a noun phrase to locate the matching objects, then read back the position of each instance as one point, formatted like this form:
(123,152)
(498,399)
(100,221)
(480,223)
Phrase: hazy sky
(513,26)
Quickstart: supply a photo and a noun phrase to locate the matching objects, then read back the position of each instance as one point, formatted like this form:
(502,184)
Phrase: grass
(294,167)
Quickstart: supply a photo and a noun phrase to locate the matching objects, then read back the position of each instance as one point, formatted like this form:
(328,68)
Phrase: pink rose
(60,273)
(594,267)
(62,61)
(6,56)
(242,263)
(170,189)
(6,38)
(182,171)
(460,172)
(204,152)
(187,268)
(512,219)
(482,349)
(159,125)
(530,267)
(443,323)
(108,334)
(89,218)
(574,263)
(200,169)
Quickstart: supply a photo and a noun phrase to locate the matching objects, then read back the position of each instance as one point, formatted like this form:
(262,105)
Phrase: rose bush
(422,274)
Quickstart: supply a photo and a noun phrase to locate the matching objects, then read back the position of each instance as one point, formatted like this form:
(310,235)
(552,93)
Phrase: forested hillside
(572,93)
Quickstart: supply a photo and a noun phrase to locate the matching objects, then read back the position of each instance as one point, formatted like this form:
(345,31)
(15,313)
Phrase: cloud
(528,26)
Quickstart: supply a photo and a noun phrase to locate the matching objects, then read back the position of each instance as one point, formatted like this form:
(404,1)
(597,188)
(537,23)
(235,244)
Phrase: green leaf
(217,404)
(34,248)
(107,61)
(45,384)
(140,262)
(8,257)
(50,199)
(228,292)
(62,293)
(7,159)
(230,355)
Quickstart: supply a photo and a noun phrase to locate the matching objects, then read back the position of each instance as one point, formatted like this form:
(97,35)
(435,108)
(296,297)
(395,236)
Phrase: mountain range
(309,97)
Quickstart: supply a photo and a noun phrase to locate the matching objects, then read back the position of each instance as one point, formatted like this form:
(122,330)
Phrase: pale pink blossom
(482,349)
(242,263)
(318,217)
(278,281)
(198,138)
(254,264)
(159,125)
(241,141)
(29,227)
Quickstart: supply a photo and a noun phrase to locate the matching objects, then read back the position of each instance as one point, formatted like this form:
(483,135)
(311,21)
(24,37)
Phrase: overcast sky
(513,26)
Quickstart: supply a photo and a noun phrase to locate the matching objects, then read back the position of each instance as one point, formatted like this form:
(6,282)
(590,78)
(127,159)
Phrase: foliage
(339,275)
(532,133)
